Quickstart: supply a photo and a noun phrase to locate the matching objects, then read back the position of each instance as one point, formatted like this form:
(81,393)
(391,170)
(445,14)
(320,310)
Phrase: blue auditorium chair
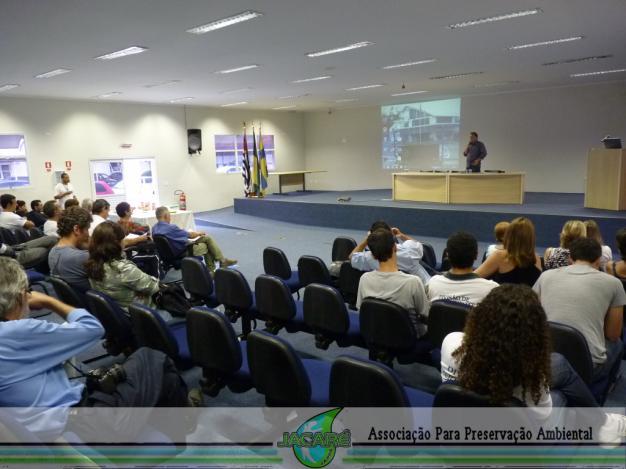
(67,294)
(342,247)
(327,317)
(282,376)
(357,382)
(348,283)
(233,291)
(214,346)
(277,306)
(275,263)
(443,318)
(118,333)
(429,256)
(198,282)
(454,395)
(312,269)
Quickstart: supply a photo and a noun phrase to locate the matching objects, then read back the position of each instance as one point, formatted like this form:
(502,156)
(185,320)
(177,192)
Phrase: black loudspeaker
(194,141)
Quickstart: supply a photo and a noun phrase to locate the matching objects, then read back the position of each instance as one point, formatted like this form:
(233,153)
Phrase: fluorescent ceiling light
(364,87)
(306,80)
(283,107)
(295,96)
(546,43)
(238,69)
(53,73)
(132,50)
(345,100)
(357,45)
(458,75)
(8,86)
(178,100)
(582,59)
(491,19)
(108,95)
(602,72)
(406,93)
(162,83)
(238,90)
(224,22)
(497,83)
(410,64)
(235,104)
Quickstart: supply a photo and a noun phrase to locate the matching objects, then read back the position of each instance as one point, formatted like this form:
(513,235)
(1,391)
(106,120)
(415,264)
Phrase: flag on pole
(245,164)
(255,166)
(263,164)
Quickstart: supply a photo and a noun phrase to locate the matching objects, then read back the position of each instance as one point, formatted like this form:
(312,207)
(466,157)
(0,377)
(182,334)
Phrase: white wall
(58,130)
(545,133)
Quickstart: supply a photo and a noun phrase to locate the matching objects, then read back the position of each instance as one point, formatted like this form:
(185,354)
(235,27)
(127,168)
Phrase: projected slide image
(421,136)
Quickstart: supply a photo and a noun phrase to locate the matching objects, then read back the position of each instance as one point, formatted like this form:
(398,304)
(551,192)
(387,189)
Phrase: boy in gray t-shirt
(68,263)
(591,301)
(388,283)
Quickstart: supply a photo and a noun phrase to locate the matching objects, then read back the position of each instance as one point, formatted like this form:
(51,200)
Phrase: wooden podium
(606,179)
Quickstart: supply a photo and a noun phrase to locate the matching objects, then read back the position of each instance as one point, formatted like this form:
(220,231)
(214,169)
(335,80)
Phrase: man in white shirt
(388,283)
(460,284)
(409,253)
(100,213)
(8,218)
(64,190)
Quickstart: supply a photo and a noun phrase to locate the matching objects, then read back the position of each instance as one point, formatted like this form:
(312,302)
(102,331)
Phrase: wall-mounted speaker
(194,141)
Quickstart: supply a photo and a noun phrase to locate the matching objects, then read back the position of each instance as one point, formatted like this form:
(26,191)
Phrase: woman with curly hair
(517,262)
(504,353)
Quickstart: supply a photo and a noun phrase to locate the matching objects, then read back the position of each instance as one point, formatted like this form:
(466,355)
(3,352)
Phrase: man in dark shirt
(474,153)
(36,215)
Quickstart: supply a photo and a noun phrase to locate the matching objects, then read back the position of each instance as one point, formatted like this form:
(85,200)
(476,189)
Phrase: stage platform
(548,211)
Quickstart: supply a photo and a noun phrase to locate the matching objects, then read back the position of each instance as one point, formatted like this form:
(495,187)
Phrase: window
(229,152)
(13,163)
(131,180)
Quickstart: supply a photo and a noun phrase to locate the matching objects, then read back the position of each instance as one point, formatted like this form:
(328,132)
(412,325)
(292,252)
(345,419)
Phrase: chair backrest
(151,330)
(164,249)
(349,279)
(273,298)
(453,395)
(277,371)
(325,310)
(275,263)
(311,269)
(116,323)
(429,255)
(35,233)
(570,343)
(8,237)
(232,289)
(387,326)
(445,261)
(355,382)
(212,341)
(342,247)
(443,318)
(196,278)
(66,293)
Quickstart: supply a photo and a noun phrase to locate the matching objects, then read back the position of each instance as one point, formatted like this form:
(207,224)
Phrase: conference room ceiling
(39,36)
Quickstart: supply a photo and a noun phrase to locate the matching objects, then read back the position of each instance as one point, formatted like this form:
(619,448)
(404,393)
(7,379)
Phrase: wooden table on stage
(606,179)
(459,188)
(292,178)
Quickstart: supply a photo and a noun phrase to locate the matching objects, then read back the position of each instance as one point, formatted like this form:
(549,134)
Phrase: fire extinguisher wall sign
(182,199)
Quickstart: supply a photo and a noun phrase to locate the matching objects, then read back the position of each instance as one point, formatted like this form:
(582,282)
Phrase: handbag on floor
(172,298)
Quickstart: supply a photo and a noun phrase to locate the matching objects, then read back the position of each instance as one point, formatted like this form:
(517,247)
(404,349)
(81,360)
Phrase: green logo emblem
(314,443)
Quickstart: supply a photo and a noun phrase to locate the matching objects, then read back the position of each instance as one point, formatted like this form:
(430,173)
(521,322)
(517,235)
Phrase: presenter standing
(474,153)
(64,190)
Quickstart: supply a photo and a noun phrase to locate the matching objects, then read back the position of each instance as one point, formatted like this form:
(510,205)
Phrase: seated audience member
(618,269)
(179,240)
(33,351)
(593,231)
(388,283)
(109,272)
(67,259)
(71,203)
(35,215)
(409,253)
(53,212)
(517,262)
(591,301)
(87,204)
(21,209)
(504,353)
(99,213)
(559,257)
(498,231)
(8,218)
(31,253)
(460,284)
(124,212)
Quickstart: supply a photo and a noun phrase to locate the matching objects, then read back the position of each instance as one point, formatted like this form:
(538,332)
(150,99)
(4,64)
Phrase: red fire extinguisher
(182,199)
